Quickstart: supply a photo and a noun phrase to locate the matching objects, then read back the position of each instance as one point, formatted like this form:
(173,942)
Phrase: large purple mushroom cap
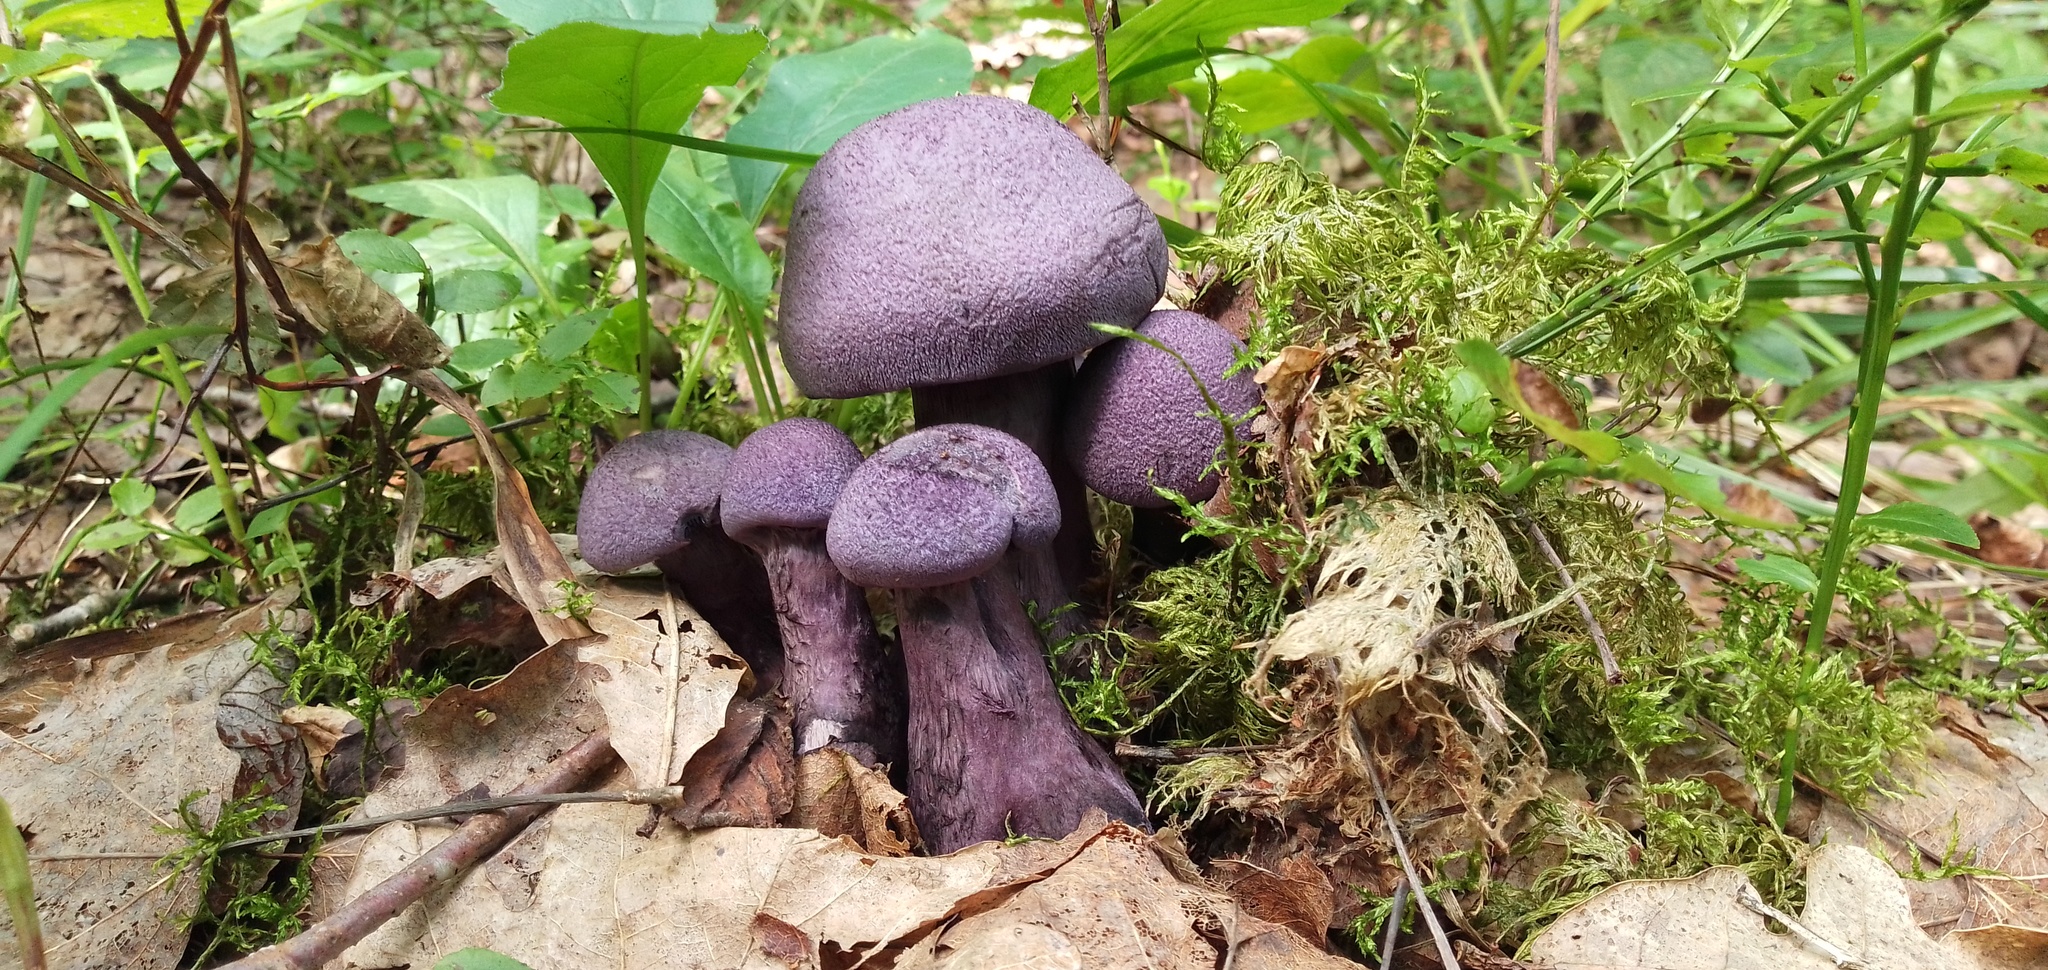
(933,507)
(787,475)
(956,240)
(649,496)
(1137,418)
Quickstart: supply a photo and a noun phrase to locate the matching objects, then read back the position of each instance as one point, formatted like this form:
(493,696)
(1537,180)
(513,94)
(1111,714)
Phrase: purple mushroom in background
(961,248)
(654,498)
(1139,419)
(992,751)
(843,690)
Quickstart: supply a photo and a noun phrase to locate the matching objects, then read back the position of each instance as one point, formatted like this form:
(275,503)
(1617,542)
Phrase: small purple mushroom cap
(1032,498)
(649,496)
(932,508)
(787,475)
(955,240)
(1137,419)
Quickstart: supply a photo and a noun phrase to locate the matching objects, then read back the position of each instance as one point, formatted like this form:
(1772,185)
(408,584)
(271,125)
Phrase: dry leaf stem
(1608,665)
(664,797)
(1379,794)
(475,841)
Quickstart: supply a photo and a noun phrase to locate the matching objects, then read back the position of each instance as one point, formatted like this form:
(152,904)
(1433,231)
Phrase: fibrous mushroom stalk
(842,687)
(993,751)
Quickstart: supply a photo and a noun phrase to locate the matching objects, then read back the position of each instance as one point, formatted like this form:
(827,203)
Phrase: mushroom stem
(994,751)
(723,581)
(842,688)
(1030,407)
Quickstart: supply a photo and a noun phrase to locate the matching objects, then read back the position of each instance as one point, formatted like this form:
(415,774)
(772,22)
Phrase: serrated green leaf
(810,100)
(1921,520)
(1784,570)
(602,75)
(614,392)
(132,497)
(1160,44)
(474,290)
(379,253)
(569,336)
(475,356)
(497,389)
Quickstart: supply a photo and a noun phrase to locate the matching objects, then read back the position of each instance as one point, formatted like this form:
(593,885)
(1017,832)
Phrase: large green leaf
(505,210)
(537,16)
(594,74)
(1161,44)
(88,19)
(812,99)
(1270,98)
(693,220)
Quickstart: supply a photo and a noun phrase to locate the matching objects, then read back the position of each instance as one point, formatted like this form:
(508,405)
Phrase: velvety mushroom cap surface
(1030,491)
(787,475)
(649,496)
(1137,419)
(959,239)
(931,508)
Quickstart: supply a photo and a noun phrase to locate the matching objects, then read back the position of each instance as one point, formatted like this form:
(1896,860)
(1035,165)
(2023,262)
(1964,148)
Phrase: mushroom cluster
(962,249)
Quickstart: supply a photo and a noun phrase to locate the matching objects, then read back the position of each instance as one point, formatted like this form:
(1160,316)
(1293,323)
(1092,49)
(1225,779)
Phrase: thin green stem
(646,315)
(1880,326)
(230,507)
(1588,302)
(1484,73)
(1655,150)
(24,240)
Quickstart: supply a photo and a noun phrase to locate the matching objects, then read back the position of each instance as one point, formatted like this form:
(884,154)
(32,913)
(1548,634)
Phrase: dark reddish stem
(844,690)
(993,751)
(724,582)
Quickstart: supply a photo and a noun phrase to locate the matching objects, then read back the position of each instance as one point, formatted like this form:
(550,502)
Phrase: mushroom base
(993,752)
(723,581)
(844,690)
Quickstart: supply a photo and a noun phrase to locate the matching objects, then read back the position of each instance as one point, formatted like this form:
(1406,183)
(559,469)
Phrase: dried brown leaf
(104,761)
(838,795)
(1854,902)
(667,678)
(339,298)
(746,775)
(1543,395)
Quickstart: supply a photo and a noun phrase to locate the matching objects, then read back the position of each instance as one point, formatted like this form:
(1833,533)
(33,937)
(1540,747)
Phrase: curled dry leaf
(1289,377)
(340,299)
(1543,395)
(106,751)
(838,795)
(1855,902)
(535,570)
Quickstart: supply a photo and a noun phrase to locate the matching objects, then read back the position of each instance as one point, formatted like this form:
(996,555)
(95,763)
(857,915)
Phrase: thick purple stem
(994,752)
(843,690)
(1030,407)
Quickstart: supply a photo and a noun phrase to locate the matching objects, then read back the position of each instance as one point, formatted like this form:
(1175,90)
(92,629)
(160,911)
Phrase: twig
(1395,913)
(339,477)
(120,210)
(1139,752)
(193,56)
(476,840)
(1379,793)
(94,606)
(1102,119)
(1166,140)
(1608,665)
(1550,94)
(1747,896)
(664,797)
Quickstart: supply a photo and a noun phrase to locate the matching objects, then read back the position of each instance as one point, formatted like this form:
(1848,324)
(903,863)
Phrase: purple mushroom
(1139,419)
(843,690)
(992,751)
(961,248)
(654,498)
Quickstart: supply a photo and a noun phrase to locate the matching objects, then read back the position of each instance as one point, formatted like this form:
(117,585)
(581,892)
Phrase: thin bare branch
(475,841)
(1098,29)
(1550,94)
(1608,665)
(140,221)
